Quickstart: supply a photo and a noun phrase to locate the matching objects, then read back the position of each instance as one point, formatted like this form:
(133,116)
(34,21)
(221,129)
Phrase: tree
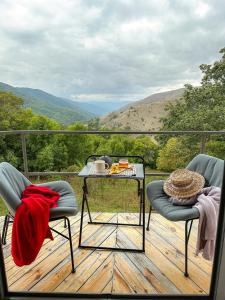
(12,116)
(10,113)
(40,147)
(94,124)
(115,144)
(79,146)
(215,74)
(203,107)
(146,147)
(44,160)
(175,154)
(60,153)
(216,148)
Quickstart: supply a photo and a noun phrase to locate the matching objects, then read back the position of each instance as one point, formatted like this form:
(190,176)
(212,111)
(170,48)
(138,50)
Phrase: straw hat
(183,183)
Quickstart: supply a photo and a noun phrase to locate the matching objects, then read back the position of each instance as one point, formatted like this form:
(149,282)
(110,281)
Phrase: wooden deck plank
(134,278)
(157,271)
(173,247)
(119,284)
(175,228)
(153,275)
(97,282)
(202,279)
(108,288)
(174,274)
(48,264)
(85,270)
(167,231)
(87,261)
(175,237)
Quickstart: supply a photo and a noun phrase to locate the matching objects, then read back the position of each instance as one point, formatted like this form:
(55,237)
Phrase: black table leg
(141,193)
(82,216)
(85,191)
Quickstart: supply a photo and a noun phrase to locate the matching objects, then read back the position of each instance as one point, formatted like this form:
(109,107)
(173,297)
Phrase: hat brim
(196,186)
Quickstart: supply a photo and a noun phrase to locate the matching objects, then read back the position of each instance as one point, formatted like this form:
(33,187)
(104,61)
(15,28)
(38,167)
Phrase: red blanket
(30,226)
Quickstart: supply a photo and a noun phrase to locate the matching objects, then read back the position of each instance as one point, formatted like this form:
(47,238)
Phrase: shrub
(176,154)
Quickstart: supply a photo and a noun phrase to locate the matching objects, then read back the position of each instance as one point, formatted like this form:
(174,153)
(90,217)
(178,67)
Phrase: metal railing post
(24,150)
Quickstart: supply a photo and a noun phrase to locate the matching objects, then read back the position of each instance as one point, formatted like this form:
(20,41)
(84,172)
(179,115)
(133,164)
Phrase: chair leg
(71,245)
(65,225)
(5,229)
(149,215)
(187,236)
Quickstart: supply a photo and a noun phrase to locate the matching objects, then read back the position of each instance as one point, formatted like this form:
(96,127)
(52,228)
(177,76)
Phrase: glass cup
(123,163)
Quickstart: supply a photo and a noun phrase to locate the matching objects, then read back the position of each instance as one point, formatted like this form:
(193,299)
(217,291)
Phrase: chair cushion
(159,201)
(212,170)
(67,204)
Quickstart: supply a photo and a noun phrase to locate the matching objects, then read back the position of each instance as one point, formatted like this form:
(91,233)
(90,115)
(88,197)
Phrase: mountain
(144,114)
(63,110)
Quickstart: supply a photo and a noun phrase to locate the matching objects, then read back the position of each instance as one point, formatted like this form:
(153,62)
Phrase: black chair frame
(9,219)
(188,228)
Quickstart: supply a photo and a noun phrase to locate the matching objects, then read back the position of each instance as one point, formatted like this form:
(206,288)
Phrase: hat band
(182,187)
(185,182)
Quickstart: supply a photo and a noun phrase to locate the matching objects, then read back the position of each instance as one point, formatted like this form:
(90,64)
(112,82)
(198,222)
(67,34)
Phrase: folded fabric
(208,203)
(30,225)
(183,201)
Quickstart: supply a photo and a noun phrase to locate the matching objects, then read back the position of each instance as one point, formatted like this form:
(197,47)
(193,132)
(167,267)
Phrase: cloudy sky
(108,49)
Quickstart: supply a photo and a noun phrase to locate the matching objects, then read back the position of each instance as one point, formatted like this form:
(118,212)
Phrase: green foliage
(216,148)
(175,154)
(39,147)
(115,145)
(93,124)
(10,111)
(12,116)
(146,147)
(78,146)
(63,110)
(203,107)
(60,154)
(215,74)
(45,159)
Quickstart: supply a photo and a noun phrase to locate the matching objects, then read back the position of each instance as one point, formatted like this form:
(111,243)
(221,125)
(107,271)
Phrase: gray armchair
(212,170)
(12,183)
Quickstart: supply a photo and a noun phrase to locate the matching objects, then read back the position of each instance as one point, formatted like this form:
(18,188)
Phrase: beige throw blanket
(207,202)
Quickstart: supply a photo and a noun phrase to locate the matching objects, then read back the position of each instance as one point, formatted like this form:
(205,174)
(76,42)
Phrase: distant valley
(144,114)
(63,110)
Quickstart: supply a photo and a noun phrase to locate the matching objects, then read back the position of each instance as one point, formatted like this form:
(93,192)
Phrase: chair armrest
(155,191)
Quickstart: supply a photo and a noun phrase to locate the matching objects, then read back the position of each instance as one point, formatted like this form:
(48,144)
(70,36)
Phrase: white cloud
(108,49)
(202,9)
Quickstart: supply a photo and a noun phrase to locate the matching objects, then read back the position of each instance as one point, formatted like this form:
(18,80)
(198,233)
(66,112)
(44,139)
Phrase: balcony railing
(24,133)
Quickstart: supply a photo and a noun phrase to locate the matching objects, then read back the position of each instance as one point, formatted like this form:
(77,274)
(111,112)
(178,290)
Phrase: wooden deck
(157,271)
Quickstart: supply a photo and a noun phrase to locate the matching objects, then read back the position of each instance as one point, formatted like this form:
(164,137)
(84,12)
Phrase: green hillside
(63,110)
